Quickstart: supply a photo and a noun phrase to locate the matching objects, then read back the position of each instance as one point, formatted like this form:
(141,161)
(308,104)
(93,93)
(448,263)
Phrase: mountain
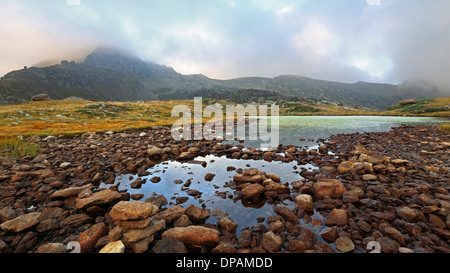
(108,74)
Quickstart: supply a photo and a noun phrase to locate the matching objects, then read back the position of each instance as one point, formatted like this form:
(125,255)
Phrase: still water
(217,194)
(299,130)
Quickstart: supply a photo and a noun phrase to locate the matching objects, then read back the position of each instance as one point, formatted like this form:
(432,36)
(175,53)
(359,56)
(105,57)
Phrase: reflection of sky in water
(293,128)
(171,170)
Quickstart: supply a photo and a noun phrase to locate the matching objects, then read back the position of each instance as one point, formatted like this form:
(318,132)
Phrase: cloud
(346,40)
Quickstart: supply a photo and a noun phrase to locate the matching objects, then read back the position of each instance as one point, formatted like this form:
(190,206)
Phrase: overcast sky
(343,40)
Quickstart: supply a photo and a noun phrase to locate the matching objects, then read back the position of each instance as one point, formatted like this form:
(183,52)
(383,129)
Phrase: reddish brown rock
(89,238)
(99,198)
(127,210)
(252,191)
(194,236)
(21,223)
(337,217)
(409,214)
(328,187)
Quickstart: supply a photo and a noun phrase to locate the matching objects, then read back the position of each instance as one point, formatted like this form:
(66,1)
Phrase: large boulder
(194,236)
(128,210)
(332,188)
(40,97)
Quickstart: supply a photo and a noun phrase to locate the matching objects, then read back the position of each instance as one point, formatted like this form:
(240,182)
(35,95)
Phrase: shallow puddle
(215,194)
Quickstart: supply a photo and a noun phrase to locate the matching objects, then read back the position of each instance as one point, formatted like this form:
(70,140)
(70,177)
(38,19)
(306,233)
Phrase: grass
(16,147)
(445,128)
(425,107)
(76,117)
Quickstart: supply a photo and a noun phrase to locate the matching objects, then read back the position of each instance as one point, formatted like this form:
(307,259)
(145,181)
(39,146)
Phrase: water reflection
(216,194)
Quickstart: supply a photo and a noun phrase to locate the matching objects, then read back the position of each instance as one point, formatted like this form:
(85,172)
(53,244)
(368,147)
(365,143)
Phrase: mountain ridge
(109,74)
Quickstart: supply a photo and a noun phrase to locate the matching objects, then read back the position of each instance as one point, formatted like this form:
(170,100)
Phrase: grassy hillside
(68,117)
(439,107)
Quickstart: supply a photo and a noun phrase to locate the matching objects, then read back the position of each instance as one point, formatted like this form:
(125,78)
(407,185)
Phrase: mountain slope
(111,75)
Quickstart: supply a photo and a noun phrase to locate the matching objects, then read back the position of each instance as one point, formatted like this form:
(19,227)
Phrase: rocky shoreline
(390,188)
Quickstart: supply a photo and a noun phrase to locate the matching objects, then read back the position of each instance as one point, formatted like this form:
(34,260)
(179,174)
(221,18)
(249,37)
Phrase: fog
(389,41)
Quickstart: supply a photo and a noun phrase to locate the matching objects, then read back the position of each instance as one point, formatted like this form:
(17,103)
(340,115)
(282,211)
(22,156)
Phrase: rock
(287,214)
(328,187)
(224,248)
(136,235)
(388,245)
(305,202)
(154,151)
(405,250)
(427,200)
(134,224)
(353,195)
(8,213)
(226,223)
(252,191)
(171,214)
(436,221)
(65,165)
(128,210)
(52,248)
(169,245)
(337,217)
(344,244)
(257,178)
(394,234)
(75,220)
(329,234)
(18,176)
(399,161)
(364,226)
(244,239)
(185,156)
(113,247)
(274,177)
(99,198)
(271,242)
(409,214)
(41,97)
(297,246)
(308,237)
(21,223)
(69,192)
(345,167)
(209,177)
(137,196)
(369,177)
(197,215)
(408,102)
(194,236)
(89,238)
(47,225)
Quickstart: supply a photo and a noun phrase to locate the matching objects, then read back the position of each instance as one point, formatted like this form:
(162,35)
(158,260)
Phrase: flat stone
(169,245)
(113,247)
(128,210)
(69,192)
(21,223)
(99,198)
(194,236)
